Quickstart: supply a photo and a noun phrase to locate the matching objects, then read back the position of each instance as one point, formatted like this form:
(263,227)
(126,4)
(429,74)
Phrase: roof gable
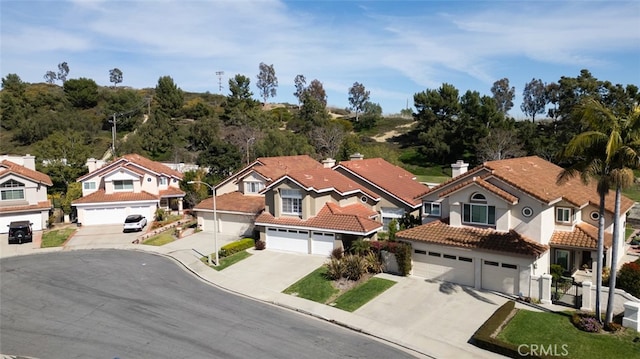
(7,167)
(321,180)
(137,164)
(388,177)
(479,182)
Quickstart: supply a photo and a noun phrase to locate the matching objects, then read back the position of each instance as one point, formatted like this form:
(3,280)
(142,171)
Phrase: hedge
(235,247)
(482,338)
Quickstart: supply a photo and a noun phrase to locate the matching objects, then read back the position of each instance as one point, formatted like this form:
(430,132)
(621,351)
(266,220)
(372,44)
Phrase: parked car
(134,222)
(20,232)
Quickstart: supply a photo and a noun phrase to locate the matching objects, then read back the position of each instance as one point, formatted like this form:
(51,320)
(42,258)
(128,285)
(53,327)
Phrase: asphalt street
(127,304)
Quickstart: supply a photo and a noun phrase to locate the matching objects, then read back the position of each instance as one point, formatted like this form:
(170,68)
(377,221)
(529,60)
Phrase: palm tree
(608,152)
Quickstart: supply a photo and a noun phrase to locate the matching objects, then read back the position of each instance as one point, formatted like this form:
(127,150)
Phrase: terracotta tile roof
(474,171)
(584,235)
(275,167)
(233,202)
(171,192)
(538,178)
(327,220)
(355,209)
(26,208)
(100,196)
(7,167)
(325,179)
(438,232)
(390,178)
(484,184)
(133,162)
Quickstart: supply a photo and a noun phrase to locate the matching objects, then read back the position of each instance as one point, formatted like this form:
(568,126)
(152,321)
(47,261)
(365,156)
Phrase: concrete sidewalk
(428,319)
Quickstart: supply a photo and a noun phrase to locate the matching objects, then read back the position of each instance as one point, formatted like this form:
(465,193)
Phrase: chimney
(356,156)
(29,161)
(92,164)
(328,162)
(459,168)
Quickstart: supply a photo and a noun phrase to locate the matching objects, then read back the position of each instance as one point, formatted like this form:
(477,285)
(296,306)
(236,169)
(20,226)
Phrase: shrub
(483,337)
(403,257)
(335,269)
(355,267)
(360,247)
(586,322)
(236,246)
(556,271)
(629,278)
(337,253)
(613,327)
(393,229)
(260,244)
(374,263)
(160,215)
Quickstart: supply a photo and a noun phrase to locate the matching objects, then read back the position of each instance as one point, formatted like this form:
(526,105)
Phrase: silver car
(134,222)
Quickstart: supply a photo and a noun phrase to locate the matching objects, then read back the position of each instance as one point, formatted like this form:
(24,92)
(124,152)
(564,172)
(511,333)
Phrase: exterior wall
(456,200)
(228,187)
(252,177)
(116,176)
(228,223)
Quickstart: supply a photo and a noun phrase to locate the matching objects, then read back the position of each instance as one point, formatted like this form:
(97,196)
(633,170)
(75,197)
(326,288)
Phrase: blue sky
(394,48)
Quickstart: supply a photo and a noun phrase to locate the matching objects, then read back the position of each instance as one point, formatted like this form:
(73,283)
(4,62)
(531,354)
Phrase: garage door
(443,266)
(35,218)
(288,240)
(146,211)
(322,243)
(500,277)
(94,216)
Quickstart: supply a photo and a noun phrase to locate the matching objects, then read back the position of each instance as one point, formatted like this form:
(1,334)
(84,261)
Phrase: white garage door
(288,240)
(35,218)
(443,266)
(146,211)
(501,277)
(322,243)
(94,216)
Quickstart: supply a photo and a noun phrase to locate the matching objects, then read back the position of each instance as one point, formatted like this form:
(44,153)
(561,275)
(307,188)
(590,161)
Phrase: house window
(253,187)
(563,215)
(291,201)
(12,190)
(595,215)
(389,214)
(419,251)
(562,258)
(163,181)
(89,185)
(479,212)
(123,185)
(431,209)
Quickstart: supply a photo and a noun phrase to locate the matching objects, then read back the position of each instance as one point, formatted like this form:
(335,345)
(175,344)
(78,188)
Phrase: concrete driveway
(102,235)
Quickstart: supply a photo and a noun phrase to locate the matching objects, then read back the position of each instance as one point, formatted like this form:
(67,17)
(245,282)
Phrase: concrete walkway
(428,319)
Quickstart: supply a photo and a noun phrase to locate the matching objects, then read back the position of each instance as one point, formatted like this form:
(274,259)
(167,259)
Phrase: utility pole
(219,74)
(113,135)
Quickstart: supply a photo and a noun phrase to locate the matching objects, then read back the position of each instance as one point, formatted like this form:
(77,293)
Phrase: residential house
(398,189)
(131,184)
(23,193)
(501,225)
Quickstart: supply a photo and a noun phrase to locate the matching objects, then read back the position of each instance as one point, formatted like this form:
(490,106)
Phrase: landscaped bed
(228,261)
(56,237)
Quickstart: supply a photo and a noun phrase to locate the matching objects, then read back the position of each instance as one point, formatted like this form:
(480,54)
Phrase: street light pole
(215,220)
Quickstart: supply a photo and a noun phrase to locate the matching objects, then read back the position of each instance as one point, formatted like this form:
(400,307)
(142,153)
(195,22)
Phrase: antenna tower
(219,74)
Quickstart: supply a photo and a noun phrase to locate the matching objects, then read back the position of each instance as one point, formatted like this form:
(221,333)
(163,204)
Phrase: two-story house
(501,225)
(131,184)
(23,193)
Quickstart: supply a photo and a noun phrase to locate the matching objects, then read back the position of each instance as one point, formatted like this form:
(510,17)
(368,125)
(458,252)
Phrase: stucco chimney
(459,168)
(328,162)
(356,156)
(29,161)
(92,164)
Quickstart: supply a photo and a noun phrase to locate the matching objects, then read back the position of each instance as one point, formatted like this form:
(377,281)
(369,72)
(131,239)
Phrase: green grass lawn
(315,286)
(56,238)
(546,329)
(228,261)
(160,239)
(633,192)
(360,295)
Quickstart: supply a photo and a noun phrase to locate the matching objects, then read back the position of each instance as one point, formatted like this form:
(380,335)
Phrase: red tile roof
(233,202)
(355,209)
(171,192)
(326,179)
(26,208)
(484,184)
(8,167)
(439,232)
(328,219)
(390,178)
(584,235)
(275,167)
(133,162)
(100,196)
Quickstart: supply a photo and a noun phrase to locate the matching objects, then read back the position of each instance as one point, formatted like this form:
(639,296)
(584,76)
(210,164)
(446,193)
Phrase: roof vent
(458,168)
(356,156)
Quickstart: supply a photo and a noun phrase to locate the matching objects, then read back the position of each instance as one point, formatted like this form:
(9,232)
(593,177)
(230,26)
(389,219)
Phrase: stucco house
(501,225)
(23,193)
(131,184)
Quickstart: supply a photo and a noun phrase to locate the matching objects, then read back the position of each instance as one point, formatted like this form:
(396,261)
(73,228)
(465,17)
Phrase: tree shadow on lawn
(451,288)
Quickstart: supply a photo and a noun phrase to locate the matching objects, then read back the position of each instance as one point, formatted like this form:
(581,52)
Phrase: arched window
(478,197)
(478,212)
(11,190)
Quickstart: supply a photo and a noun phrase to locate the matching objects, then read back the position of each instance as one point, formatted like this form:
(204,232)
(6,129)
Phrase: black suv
(20,232)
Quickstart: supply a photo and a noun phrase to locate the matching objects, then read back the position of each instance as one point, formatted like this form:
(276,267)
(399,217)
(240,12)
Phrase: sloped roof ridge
(453,179)
(23,171)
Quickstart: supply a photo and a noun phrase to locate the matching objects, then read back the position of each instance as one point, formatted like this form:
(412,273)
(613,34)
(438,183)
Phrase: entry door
(562,258)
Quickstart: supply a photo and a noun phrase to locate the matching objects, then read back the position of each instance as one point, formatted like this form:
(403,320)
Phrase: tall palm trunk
(599,263)
(614,258)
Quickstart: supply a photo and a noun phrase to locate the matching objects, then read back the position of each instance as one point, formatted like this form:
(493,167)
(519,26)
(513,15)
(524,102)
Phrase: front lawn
(160,239)
(315,286)
(56,237)
(228,260)
(555,330)
(362,294)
